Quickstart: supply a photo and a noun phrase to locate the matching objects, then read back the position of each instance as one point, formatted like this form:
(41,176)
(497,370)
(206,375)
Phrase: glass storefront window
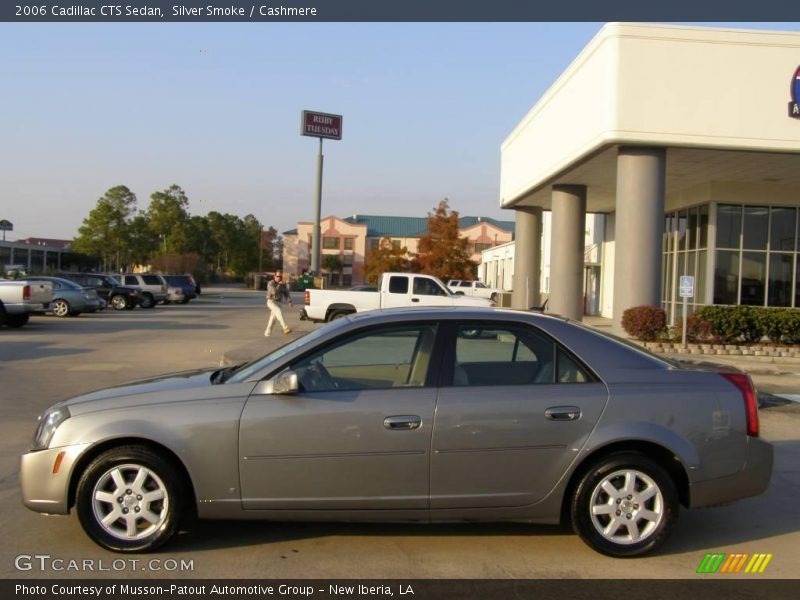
(729,226)
(682,232)
(781,267)
(782,229)
(726,277)
(754,266)
(700,281)
(703,237)
(754,233)
(693,220)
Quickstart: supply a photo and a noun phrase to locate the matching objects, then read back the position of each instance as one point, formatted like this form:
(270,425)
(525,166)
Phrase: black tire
(185,301)
(147,301)
(339,314)
(3,315)
(128,460)
(118,302)
(15,321)
(654,532)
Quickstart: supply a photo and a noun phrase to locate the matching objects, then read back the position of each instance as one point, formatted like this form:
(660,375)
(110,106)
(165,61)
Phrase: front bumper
(42,490)
(752,480)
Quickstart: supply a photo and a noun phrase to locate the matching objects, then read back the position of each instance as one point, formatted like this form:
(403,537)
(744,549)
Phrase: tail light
(307,298)
(26,292)
(745,385)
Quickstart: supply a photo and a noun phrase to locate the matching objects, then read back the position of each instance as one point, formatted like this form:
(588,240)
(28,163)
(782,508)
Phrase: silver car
(410,414)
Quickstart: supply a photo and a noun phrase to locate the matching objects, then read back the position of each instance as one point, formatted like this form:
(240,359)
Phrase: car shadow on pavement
(215,535)
(35,349)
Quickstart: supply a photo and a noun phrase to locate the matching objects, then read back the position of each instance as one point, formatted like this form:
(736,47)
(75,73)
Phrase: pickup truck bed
(18,299)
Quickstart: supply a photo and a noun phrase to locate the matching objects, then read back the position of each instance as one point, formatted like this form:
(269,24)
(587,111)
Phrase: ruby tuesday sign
(321,125)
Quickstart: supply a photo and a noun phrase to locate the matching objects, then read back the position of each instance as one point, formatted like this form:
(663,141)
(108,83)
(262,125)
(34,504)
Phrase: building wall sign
(794,105)
(321,125)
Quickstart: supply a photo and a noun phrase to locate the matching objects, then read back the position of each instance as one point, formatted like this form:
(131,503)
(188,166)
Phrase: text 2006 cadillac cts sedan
(416,414)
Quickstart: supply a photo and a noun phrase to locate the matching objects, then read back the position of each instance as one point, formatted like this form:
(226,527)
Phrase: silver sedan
(412,414)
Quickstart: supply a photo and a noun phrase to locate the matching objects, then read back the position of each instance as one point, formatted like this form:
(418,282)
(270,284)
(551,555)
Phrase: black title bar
(401,10)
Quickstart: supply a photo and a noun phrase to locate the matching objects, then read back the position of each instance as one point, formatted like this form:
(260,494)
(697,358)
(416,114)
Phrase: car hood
(145,391)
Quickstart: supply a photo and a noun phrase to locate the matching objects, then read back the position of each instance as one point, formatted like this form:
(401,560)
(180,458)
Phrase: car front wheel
(625,506)
(119,302)
(129,499)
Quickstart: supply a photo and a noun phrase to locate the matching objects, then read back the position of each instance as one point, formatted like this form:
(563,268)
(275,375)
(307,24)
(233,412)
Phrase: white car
(473,288)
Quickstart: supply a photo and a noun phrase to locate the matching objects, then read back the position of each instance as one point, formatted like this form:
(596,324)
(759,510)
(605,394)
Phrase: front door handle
(563,413)
(415,299)
(402,422)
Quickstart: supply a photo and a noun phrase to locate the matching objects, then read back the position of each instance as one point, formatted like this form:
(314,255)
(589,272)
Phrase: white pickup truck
(18,299)
(472,288)
(394,290)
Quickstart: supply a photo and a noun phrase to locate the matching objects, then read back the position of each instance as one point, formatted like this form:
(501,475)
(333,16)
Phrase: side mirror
(285,383)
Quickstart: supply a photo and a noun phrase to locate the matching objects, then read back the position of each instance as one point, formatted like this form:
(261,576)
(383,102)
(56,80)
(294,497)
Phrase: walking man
(277,292)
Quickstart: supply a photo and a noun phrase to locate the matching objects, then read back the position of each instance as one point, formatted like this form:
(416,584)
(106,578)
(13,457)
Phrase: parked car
(175,294)
(186,283)
(69,298)
(153,287)
(537,419)
(468,287)
(394,290)
(108,288)
(20,299)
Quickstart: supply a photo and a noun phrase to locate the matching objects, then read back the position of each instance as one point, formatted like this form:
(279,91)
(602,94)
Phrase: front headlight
(48,423)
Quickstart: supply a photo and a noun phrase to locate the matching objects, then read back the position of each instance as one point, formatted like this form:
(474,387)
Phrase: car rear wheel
(148,301)
(119,302)
(339,314)
(625,506)
(61,308)
(129,499)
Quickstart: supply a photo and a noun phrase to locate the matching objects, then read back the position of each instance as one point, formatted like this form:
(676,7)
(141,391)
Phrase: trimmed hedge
(697,330)
(644,322)
(752,323)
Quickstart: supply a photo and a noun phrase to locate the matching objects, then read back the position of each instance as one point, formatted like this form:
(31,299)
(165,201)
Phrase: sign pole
(316,249)
(683,334)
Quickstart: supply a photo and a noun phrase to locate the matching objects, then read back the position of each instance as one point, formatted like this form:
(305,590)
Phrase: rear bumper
(752,480)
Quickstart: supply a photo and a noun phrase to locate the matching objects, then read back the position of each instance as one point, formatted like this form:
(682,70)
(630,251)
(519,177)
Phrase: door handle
(402,422)
(563,413)
(415,299)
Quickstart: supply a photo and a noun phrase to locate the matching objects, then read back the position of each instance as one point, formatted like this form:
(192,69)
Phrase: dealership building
(687,139)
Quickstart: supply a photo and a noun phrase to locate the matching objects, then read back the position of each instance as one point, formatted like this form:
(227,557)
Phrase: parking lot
(53,358)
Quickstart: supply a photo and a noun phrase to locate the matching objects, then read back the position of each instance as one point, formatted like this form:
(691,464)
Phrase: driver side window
(377,359)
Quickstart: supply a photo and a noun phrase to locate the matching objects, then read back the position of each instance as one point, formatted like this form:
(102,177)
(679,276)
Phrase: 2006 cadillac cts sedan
(409,415)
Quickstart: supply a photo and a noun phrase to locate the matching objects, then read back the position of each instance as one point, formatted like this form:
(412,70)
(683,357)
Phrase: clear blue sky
(215,108)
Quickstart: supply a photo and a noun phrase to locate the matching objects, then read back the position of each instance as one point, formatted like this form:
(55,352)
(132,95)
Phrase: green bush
(697,330)
(645,323)
(752,323)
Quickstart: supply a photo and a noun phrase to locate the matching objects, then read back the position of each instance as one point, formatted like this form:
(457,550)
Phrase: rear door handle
(402,422)
(563,413)
(415,299)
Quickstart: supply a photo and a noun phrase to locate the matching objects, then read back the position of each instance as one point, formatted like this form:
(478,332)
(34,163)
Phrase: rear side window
(131,280)
(488,355)
(398,285)
(151,279)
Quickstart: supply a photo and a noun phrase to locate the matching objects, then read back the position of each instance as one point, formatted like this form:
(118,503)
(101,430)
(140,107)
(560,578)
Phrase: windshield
(247,370)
